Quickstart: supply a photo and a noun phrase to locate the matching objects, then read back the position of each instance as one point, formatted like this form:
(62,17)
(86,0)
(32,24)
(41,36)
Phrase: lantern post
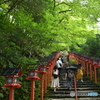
(90,65)
(33,75)
(86,64)
(98,66)
(42,71)
(47,77)
(83,63)
(12,75)
(95,70)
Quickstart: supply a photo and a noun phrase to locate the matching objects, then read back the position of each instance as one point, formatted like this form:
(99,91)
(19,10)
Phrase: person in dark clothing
(69,79)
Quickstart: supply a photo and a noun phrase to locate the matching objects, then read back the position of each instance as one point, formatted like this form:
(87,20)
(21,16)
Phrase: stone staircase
(63,93)
(87,87)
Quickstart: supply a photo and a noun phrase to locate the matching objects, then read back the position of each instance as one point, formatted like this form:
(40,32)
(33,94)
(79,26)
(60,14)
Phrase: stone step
(82,86)
(87,88)
(68,91)
(88,99)
(62,99)
(62,89)
(85,82)
(74,98)
(60,96)
(69,96)
(79,88)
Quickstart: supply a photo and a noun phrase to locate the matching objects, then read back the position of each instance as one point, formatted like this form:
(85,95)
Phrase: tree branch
(14,5)
(64,11)
(61,20)
(54,3)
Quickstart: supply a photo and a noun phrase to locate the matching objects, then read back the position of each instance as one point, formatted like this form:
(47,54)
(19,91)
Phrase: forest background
(32,29)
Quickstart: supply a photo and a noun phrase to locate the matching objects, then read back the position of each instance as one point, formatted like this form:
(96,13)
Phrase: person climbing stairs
(83,88)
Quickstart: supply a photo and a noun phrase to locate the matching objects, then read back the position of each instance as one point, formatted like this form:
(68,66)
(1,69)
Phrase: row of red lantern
(12,81)
(89,60)
(12,75)
(87,64)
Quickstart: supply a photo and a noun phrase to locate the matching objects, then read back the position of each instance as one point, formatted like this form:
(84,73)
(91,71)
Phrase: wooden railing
(75,86)
(89,64)
(45,73)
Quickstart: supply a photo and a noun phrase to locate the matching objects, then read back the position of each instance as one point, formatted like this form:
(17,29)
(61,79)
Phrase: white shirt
(55,72)
(58,62)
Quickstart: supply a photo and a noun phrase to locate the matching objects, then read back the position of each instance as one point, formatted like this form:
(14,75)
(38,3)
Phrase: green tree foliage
(92,46)
(32,29)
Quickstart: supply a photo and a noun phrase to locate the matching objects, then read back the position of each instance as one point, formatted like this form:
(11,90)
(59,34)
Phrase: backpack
(70,75)
(55,75)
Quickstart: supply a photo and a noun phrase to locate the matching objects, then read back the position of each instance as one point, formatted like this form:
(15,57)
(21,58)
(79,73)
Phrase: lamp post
(95,70)
(33,75)
(86,65)
(42,71)
(98,67)
(83,63)
(50,71)
(11,75)
(90,65)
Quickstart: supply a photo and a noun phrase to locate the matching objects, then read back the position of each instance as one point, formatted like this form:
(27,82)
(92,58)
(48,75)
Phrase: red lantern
(90,61)
(11,75)
(42,69)
(33,74)
(95,63)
